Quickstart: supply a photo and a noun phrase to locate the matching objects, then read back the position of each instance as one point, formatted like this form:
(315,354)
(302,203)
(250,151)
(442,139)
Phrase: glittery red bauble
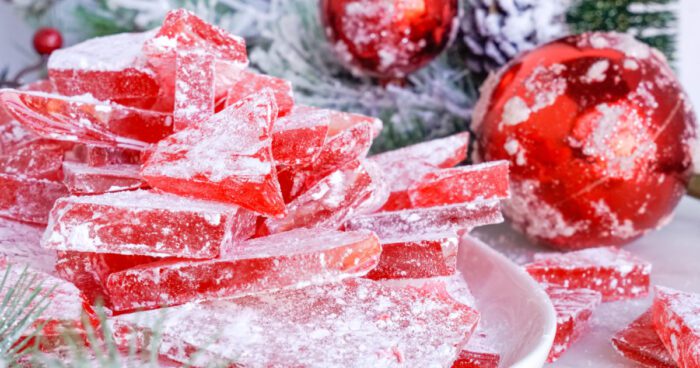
(389,38)
(598,132)
(47,40)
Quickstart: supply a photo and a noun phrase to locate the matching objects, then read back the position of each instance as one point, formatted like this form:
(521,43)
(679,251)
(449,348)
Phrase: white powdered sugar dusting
(515,111)
(596,72)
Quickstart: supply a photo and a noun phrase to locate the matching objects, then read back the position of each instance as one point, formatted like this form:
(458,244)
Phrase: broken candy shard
(110,68)
(38,159)
(85,120)
(574,308)
(328,203)
(19,243)
(615,273)
(460,185)
(194,87)
(478,353)
(88,271)
(29,200)
(416,256)
(12,133)
(676,322)
(429,220)
(248,83)
(145,223)
(298,138)
(342,121)
(82,179)
(227,158)
(286,260)
(355,323)
(106,156)
(403,166)
(640,343)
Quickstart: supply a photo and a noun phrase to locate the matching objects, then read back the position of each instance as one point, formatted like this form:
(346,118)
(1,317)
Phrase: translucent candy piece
(89,271)
(29,200)
(110,68)
(640,343)
(227,158)
(65,311)
(106,156)
(351,144)
(298,138)
(615,273)
(145,223)
(378,190)
(82,179)
(342,121)
(428,220)
(478,353)
(677,324)
(85,120)
(248,83)
(194,87)
(403,166)
(328,203)
(416,256)
(286,260)
(12,133)
(38,159)
(356,323)
(460,185)
(19,243)
(574,308)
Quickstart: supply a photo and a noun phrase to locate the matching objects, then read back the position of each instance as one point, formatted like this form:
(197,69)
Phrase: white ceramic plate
(516,314)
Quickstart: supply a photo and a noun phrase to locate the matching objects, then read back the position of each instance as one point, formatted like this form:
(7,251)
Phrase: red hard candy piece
(82,179)
(227,158)
(146,223)
(615,273)
(248,83)
(640,343)
(285,260)
(39,159)
(599,134)
(416,257)
(106,156)
(110,68)
(194,87)
(89,271)
(356,323)
(574,308)
(676,322)
(403,166)
(29,200)
(12,133)
(85,120)
(328,203)
(460,185)
(428,220)
(299,137)
(478,353)
(19,243)
(341,121)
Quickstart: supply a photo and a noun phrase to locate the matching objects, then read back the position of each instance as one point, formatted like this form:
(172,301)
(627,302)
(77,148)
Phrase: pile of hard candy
(196,201)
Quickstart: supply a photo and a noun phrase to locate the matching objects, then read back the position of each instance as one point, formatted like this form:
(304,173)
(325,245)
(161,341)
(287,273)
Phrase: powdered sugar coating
(677,322)
(194,87)
(640,343)
(299,137)
(84,179)
(109,53)
(19,244)
(417,256)
(28,200)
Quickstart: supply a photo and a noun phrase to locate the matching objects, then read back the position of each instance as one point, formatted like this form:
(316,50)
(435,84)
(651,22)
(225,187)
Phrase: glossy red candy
(146,223)
(299,137)
(286,260)
(574,308)
(111,68)
(460,185)
(640,343)
(599,134)
(28,200)
(81,179)
(194,87)
(89,271)
(355,323)
(227,158)
(341,121)
(248,83)
(86,120)
(676,322)
(615,273)
(39,159)
(416,257)
(403,166)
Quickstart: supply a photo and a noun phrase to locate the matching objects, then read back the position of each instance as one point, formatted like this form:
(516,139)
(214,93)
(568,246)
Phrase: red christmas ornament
(598,132)
(389,38)
(47,40)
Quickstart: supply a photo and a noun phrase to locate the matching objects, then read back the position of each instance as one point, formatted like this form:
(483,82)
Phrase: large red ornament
(598,132)
(389,38)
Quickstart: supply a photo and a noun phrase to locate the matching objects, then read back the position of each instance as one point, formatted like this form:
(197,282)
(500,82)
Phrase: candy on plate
(416,256)
(478,353)
(676,322)
(574,308)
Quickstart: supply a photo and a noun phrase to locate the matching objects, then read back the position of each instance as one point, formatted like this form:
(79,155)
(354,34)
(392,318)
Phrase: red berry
(46,40)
